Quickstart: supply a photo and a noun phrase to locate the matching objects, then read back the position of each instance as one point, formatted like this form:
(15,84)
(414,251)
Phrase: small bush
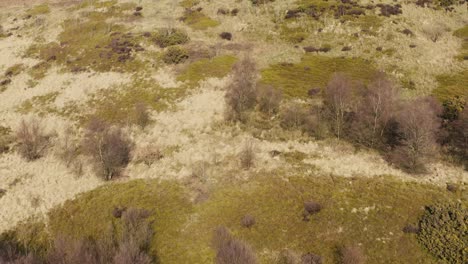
(32,140)
(108,146)
(311,258)
(170,37)
(247,156)
(312,207)
(226,35)
(175,55)
(411,229)
(288,257)
(230,250)
(248,221)
(351,255)
(444,232)
(451,187)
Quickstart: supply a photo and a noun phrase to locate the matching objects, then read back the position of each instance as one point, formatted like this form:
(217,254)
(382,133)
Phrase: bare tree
(32,140)
(268,99)
(457,136)
(374,111)
(108,146)
(418,123)
(338,101)
(240,96)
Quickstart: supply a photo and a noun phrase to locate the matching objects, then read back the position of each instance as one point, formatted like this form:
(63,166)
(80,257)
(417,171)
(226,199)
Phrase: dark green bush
(444,232)
(170,37)
(175,55)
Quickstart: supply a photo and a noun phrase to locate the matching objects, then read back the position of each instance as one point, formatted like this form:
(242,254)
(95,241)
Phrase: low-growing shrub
(312,207)
(108,146)
(351,255)
(311,258)
(226,35)
(444,232)
(248,221)
(175,55)
(32,139)
(169,37)
(288,257)
(411,229)
(230,250)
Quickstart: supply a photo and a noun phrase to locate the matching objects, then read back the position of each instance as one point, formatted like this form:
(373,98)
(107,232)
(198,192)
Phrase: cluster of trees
(130,245)
(407,132)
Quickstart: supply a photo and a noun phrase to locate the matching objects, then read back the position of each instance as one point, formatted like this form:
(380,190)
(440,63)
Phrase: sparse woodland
(233,132)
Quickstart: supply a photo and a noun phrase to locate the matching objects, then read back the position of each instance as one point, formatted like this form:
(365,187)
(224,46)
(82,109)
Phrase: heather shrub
(268,99)
(240,96)
(312,207)
(444,232)
(248,221)
(226,35)
(456,139)
(168,37)
(175,55)
(32,139)
(230,250)
(411,229)
(108,146)
(288,257)
(311,258)
(351,255)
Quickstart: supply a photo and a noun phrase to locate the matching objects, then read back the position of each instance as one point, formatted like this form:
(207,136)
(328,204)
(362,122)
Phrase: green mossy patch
(216,67)
(41,104)
(452,86)
(295,80)
(197,20)
(368,211)
(118,106)
(38,10)
(92,42)
(91,213)
(463,34)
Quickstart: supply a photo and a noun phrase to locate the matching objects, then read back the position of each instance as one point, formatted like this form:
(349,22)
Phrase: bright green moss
(368,211)
(118,106)
(91,213)
(41,104)
(314,71)
(217,67)
(452,85)
(199,21)
(39,10)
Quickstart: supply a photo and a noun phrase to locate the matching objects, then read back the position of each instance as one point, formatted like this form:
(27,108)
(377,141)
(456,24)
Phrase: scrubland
(249,131)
